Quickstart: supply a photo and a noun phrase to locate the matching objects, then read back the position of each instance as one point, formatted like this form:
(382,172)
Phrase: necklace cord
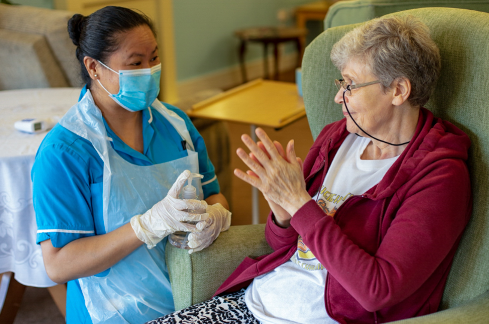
(375,138)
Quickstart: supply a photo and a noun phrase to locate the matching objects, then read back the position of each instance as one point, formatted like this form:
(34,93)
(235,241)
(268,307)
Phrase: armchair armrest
(475,311)
(195,277)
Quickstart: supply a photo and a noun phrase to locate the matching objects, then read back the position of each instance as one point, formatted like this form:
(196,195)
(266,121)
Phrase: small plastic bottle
(180,239)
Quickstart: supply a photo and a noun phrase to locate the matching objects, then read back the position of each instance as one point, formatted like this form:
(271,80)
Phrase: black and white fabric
(220,309)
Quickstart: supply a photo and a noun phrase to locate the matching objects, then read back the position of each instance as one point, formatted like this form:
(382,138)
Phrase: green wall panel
(204,40)
(35,3)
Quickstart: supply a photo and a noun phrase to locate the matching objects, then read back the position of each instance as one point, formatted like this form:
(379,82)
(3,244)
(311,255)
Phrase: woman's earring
(95,75)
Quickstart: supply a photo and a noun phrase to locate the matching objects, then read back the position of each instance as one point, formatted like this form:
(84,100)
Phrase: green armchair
(357,11)
(460,97)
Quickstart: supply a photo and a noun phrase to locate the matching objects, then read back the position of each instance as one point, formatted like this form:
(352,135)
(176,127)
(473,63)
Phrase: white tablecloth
(18,250)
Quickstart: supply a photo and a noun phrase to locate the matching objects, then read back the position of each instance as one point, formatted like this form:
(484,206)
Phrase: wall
(206,51)
(35,3)
(204,40)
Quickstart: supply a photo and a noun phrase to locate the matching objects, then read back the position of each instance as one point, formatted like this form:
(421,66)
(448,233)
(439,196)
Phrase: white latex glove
(218,221)
(166,216)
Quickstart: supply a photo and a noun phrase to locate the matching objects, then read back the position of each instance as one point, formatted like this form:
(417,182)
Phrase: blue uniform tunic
(67,184)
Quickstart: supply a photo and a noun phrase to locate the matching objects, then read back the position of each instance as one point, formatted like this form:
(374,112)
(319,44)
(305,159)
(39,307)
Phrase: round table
(19,252)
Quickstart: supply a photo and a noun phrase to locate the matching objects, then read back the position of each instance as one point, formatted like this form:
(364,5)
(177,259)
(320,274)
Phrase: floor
(37,305)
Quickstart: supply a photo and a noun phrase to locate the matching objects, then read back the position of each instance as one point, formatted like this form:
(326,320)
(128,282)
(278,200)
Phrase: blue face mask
(137,88)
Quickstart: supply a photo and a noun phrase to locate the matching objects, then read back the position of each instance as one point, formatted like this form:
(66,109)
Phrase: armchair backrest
(356,11)
(460,97)
(35,49)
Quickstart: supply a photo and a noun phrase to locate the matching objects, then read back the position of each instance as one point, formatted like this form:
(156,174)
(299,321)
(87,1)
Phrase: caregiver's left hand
(279,180)
(218,221)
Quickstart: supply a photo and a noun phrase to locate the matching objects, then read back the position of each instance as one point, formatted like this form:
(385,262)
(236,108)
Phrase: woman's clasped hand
(275,172)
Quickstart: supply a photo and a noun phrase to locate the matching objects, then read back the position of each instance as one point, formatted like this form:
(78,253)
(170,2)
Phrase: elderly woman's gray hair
(394,47)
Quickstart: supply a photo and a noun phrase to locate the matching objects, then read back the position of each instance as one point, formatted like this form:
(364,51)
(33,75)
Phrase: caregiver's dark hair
(96,35)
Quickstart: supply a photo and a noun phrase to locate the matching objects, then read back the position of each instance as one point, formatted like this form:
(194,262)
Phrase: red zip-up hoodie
(388,252)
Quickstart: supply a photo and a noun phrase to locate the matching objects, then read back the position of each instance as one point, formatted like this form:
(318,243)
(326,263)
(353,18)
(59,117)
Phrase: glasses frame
(340,84)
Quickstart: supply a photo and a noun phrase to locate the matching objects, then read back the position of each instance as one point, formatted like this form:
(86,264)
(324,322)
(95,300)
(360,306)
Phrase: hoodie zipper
(312,174)
(318,168)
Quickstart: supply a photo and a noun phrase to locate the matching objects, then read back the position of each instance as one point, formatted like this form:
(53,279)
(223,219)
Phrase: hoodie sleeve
(424,233)
(279,237)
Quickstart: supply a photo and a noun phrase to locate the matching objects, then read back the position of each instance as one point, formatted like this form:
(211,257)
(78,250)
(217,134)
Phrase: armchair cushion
(474,312)
(52,25)
(27,62)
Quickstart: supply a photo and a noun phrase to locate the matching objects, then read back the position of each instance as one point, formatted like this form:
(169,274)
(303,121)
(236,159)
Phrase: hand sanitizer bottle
(180,239)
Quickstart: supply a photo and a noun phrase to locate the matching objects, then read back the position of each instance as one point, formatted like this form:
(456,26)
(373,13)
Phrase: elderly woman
(366,230)
(106,179)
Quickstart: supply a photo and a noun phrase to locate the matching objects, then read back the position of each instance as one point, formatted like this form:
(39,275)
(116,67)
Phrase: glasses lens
(341,84)
(338,83)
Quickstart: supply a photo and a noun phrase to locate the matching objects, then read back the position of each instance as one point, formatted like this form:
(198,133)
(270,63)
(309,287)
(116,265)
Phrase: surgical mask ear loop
(103,87)
(375,138)
(101,82)
(108,67)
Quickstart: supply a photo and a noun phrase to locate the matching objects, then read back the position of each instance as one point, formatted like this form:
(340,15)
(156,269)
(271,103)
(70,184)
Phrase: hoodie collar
(431,135)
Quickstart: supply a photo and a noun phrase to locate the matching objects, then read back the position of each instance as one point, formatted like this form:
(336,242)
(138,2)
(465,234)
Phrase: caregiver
(106,179)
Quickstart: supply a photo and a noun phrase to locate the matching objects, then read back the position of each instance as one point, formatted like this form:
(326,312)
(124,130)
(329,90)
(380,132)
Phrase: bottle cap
(189,191)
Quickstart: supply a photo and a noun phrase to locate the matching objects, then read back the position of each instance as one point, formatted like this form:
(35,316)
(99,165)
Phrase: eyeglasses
(343,84)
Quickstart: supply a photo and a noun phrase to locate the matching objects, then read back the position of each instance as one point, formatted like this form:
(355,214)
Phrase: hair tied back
(75,27)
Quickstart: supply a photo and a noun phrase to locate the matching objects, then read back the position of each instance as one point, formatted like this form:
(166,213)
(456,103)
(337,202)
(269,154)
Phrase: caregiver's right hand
(166,216)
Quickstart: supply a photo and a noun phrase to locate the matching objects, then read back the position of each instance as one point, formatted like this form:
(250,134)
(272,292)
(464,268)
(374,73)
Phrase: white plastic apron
(136,289)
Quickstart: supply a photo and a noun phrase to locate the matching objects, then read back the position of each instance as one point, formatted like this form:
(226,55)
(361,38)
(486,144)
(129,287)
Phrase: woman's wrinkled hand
(277,174)
(282,217)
